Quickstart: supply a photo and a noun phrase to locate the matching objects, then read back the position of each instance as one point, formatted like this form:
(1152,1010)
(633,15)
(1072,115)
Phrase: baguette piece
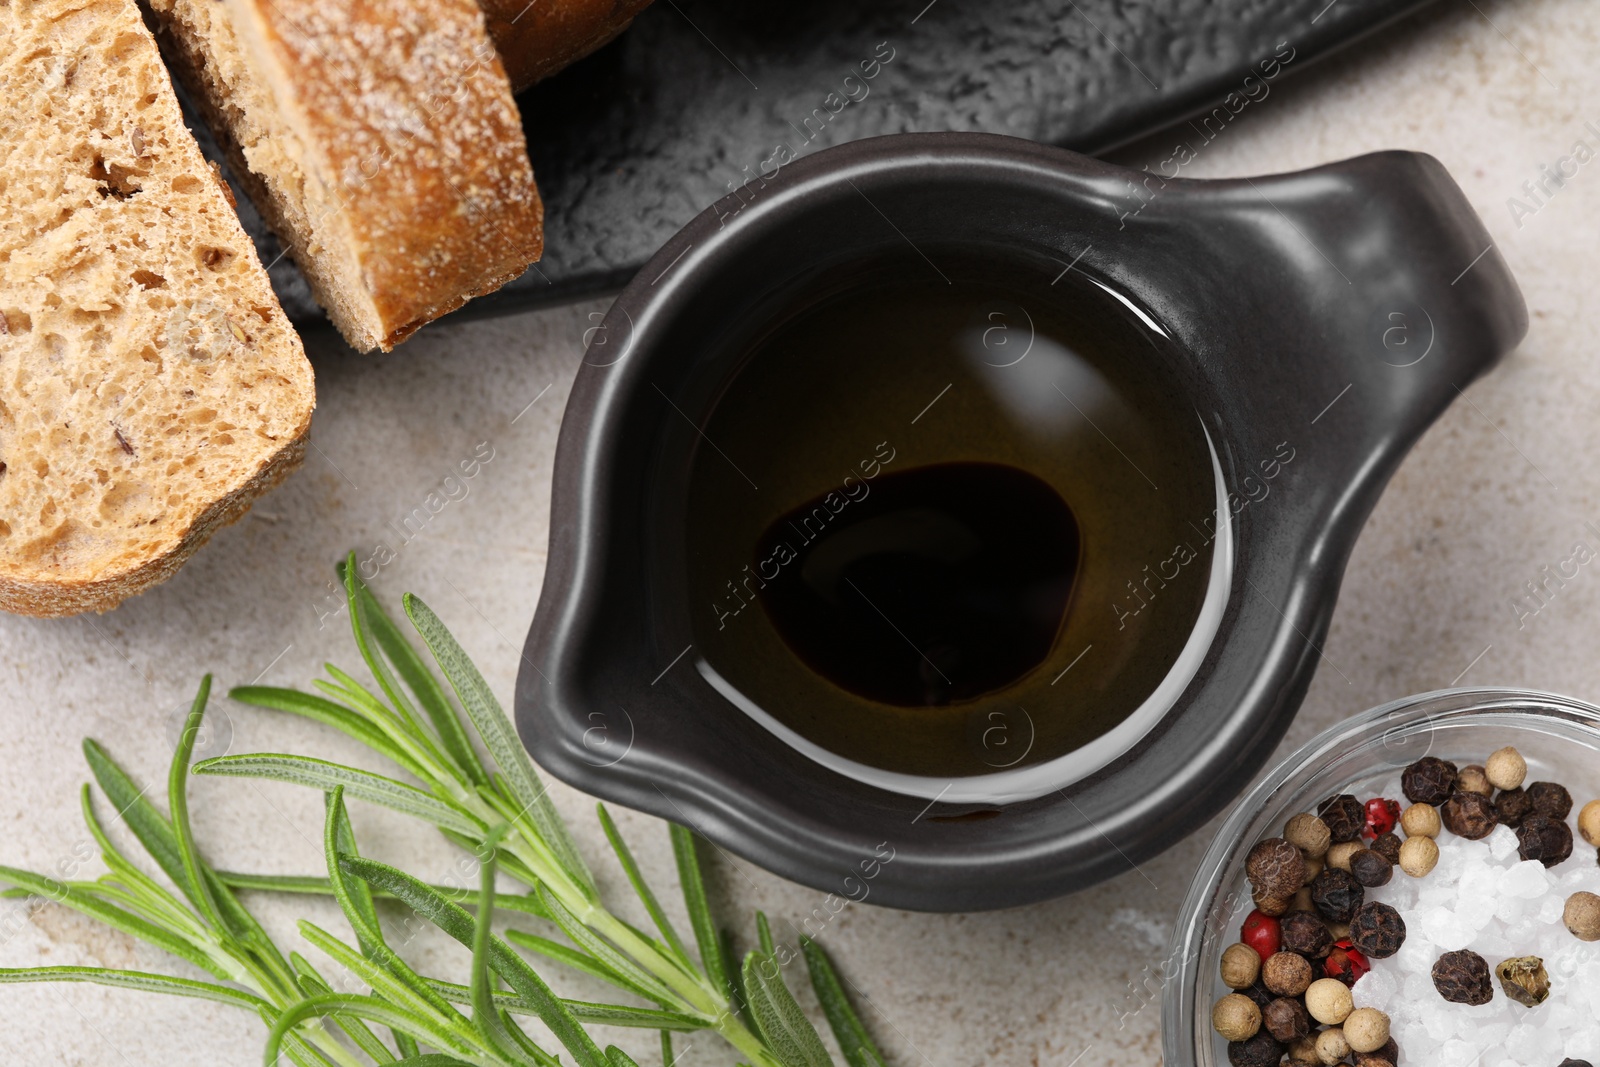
(150,385)
(536,38)
(379,140)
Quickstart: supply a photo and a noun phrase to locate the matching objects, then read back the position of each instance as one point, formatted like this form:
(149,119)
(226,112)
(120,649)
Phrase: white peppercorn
(1308,833)
(1332,1048)
(1420,820)
(1241,966)
(1328,1001)
(1236,1017)
(1418,856)
(1582,916)
(1506,768)
(1589,822)
(1366,1030)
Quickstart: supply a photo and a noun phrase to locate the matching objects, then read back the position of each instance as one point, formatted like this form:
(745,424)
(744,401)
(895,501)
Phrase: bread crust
(70,595)
(380,141)
(537,39)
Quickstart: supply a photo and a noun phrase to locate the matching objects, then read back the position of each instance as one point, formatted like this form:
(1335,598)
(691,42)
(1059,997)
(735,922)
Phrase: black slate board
(630,143)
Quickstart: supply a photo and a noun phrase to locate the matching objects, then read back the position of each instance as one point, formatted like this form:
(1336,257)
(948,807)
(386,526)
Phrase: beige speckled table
(1500,488)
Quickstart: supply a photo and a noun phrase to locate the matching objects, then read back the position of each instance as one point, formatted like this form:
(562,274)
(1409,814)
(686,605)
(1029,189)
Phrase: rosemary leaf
(583,1010)
(568,956)
(327,712)
(500,738)
(140,980)
(642,889)
(779,1019)
(642,1018)
(325,776)
(359,627)
(854,1041)
(423,685)
(197,886)
(147,824)
(694,899)
(353,895)
(619,1058)
(494,1029)
(314,885)
(764,934)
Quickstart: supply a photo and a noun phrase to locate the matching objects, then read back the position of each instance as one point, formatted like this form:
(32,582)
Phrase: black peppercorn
(1336,894)
(1286,1019)
(1512,806)
(1544,839)
(1345,816)
(1263,1050)
(1305,932)
(1463,978)
(1275,868)
(1570,1062)
(1370,868)
(1388,846)
(1259,993)
(1430,780)
(1377,930)
(1550,798)
(1387,1056)
(1469,815)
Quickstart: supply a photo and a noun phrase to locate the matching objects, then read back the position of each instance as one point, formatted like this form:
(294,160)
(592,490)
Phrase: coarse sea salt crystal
(1439,1021)
(1376,988)
(1526,879)
(1509,909)
(1416,988)
(1550,909)
(1502,843)
(1584,1045)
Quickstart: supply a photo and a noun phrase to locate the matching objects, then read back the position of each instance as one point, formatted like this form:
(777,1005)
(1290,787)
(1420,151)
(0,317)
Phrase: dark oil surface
(1019,516)
(937,585)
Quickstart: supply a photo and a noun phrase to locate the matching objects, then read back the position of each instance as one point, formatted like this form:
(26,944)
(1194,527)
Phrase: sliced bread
(150,385)
(380,141)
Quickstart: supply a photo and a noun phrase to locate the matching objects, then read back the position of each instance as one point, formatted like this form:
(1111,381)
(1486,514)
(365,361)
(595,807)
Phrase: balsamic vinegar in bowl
(948,529)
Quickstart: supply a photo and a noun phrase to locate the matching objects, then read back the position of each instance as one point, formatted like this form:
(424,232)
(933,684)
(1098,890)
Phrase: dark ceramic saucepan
(1316,323)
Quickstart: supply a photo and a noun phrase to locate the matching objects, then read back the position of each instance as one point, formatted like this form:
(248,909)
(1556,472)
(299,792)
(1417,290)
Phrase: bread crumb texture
(150,385)
(381,142)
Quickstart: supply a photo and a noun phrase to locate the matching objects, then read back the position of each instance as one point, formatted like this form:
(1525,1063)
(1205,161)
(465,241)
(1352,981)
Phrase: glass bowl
(1559,737)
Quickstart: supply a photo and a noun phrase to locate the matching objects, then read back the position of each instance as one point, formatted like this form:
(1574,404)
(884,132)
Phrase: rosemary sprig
(501,812)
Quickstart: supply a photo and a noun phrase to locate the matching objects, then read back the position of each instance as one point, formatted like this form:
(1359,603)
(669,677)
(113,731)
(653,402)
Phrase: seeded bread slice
(379,140)
(150,385)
